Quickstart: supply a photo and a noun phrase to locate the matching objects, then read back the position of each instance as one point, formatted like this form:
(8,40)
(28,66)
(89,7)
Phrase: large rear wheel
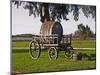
(34,49)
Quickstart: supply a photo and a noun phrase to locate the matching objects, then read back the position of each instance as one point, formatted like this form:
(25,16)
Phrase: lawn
(75,43)
(20,44)
(22,62)
(84,43)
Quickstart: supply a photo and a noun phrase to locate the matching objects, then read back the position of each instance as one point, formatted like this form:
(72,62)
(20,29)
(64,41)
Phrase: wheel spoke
(34,49)
(52,53)
(69,52)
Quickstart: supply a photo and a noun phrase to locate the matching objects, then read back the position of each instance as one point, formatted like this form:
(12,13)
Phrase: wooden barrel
(57,29)
(49,28)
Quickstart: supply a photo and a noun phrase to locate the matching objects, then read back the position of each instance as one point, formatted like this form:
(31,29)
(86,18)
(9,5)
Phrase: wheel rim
(34,49)
(52,53)
(69,52)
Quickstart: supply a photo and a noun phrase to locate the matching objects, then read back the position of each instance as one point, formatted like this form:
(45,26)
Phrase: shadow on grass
(25,50)
(90,57)
(85,56)
(20,50)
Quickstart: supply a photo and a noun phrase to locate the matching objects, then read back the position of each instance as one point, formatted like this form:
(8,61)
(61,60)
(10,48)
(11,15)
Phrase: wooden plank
(50,45)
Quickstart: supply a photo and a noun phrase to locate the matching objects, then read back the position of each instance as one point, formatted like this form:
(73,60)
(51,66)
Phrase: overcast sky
(22,23)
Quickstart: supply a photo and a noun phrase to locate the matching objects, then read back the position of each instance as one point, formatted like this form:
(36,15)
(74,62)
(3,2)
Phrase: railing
(48,40)
(67,38)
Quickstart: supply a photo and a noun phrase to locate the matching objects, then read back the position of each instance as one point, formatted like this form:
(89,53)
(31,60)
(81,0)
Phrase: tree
(83,32)
(89,33)
(51,11)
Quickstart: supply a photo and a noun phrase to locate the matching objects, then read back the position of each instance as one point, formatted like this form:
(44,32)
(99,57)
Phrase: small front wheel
(34,49)
(52,52)
(69,52)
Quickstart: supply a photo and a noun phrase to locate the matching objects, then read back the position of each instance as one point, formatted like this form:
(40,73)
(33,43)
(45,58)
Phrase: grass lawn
(84,43)
(75,43)
(20,44)
(22,63)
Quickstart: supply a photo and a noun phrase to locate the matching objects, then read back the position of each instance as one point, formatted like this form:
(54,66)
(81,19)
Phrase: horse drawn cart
(51,43)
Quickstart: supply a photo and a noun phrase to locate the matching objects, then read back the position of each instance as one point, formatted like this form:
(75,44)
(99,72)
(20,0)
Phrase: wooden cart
(50,42)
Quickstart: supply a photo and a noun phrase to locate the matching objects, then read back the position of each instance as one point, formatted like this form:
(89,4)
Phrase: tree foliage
(54,11)
(84,32)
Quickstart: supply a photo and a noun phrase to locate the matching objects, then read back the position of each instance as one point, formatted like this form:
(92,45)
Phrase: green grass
(84,43)
(20,43)
(22,63)
(75,43)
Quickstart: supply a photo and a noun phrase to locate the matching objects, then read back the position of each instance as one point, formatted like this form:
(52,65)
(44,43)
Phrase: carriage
(53,42)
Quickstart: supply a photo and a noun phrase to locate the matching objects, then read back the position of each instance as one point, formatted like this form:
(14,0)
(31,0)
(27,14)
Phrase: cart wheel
(34,49)
(69,52)
(52,52)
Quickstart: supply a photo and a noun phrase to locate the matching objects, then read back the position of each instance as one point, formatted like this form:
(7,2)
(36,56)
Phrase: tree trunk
(45,19)
(44,12)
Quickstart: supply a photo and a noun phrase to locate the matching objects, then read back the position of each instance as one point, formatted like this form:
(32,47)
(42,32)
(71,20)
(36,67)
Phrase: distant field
(84,43)
(75,43)
(20,44)
(22,62)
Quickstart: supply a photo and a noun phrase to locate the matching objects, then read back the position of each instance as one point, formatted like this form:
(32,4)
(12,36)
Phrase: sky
(22,23)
